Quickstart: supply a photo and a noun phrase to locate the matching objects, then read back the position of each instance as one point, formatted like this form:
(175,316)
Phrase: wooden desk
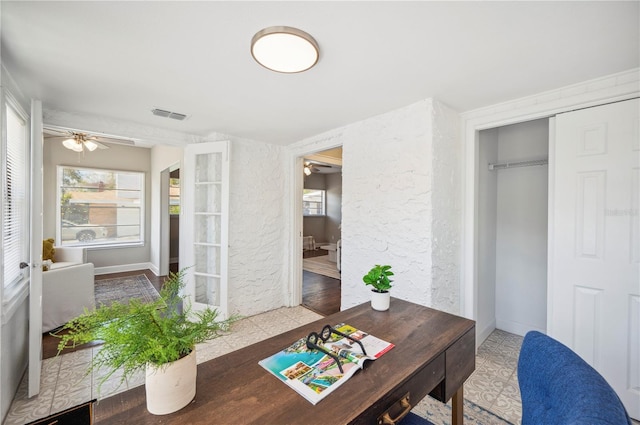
(434,353)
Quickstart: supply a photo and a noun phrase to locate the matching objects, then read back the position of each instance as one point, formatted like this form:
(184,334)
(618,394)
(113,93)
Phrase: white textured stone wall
(447,208)
(401,203)
(257,230)
(386,203)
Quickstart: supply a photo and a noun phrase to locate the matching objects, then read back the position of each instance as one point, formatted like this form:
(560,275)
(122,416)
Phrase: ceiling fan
(79,141)
(314,167)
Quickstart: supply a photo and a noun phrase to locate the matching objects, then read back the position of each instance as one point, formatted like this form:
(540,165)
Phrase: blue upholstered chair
(558,387)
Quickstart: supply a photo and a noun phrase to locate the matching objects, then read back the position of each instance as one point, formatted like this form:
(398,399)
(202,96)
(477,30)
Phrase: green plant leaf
(378,277)
(136,334)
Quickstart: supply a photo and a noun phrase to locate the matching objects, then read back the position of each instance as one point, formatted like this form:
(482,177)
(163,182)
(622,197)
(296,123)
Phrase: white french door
(594,274)
(204,224)
(35,284)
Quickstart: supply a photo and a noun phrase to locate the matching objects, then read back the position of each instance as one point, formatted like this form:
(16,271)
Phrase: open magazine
(314,373)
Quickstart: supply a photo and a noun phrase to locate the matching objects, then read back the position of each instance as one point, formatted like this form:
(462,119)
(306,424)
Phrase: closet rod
(514,164)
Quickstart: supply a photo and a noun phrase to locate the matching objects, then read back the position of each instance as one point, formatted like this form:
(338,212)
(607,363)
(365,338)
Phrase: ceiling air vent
(168,114)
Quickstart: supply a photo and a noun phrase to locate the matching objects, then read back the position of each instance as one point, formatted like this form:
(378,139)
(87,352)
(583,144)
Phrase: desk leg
(457,402)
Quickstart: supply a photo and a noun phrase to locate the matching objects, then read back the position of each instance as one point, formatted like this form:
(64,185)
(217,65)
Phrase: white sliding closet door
(204,224)
(594,285)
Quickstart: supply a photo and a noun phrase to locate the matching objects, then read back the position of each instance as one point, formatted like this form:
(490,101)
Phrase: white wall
(15,353)
(162,157)
(332,232)
(486,225)
(258,231)
(399,169)
(446,207)
(521,233)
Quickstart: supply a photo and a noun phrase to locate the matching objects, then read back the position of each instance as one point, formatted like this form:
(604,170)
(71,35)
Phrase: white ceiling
(121,59)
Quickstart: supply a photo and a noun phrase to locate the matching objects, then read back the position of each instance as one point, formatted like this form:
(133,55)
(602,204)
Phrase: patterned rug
(440,414)
(321,265)
(123,289)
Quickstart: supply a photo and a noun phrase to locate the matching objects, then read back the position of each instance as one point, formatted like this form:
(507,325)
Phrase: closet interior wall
(512,229)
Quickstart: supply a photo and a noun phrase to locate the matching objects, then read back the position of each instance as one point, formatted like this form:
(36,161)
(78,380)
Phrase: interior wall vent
(168,114)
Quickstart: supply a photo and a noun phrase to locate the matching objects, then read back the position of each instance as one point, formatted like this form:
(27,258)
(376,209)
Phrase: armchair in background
(67,287)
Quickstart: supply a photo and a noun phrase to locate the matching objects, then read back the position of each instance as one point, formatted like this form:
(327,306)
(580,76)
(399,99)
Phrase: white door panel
(594,283)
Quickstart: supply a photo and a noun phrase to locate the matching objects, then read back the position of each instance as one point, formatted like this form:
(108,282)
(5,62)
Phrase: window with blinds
(14,206)
(100,207)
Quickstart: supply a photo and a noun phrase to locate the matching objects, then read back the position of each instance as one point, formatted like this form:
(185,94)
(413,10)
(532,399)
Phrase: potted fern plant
(158,337)
(378,277)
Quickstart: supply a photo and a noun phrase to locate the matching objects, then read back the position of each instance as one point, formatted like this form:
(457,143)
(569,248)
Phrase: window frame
(12,293)
(323,203)
(109,243)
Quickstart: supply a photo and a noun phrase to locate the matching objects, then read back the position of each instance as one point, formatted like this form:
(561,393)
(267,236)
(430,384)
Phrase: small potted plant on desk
(378,277)
(159,337)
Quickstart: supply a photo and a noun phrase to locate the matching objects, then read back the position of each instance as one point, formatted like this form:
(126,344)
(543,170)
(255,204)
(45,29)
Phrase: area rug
(321,265)
(440,414)
(123,289)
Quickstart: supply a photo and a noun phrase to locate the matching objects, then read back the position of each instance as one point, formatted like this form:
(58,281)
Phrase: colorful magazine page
(313,373)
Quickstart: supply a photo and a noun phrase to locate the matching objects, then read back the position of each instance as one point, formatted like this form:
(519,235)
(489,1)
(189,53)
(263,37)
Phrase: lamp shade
(72,144)
(284,49)
(90,145)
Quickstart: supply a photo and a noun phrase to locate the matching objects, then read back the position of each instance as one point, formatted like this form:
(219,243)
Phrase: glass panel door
(205,220)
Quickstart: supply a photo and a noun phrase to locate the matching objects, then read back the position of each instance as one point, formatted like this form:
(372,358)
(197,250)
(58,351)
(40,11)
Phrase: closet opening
(512,218)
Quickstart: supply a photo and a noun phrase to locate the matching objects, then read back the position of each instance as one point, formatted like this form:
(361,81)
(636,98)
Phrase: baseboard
(482,334)
(517,328)
(123,268)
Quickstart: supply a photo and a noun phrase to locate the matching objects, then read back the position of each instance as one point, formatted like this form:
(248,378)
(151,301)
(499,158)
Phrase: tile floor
(64,383)
(494,383)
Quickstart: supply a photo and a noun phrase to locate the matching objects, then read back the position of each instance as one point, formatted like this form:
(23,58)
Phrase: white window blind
(100,207)
(14,199)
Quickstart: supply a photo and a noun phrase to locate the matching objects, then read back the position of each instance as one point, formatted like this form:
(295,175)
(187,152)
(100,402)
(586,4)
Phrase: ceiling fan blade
(100,145)
(56,132)
(105,139)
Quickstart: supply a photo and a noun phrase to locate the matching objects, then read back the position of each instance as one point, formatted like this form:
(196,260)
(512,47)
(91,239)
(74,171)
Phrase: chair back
(558,387)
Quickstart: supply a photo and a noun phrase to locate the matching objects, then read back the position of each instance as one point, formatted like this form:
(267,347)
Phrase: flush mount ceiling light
(284,49)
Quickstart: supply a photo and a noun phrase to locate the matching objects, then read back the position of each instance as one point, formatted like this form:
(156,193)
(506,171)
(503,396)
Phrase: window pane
(174,196)
(313,202)
(100,207)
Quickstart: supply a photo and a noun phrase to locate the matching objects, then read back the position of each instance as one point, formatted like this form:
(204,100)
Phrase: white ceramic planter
(171,387)
(380,300)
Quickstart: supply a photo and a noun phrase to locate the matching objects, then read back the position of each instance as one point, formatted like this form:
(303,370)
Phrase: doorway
(512,228)
(321,231)
(169,220)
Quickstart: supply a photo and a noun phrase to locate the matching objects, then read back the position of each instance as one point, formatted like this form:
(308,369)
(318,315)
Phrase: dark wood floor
(320,293)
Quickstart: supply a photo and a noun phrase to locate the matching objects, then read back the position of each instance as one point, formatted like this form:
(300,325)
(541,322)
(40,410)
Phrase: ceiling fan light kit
(72,144)
(79,141)
(285,49)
